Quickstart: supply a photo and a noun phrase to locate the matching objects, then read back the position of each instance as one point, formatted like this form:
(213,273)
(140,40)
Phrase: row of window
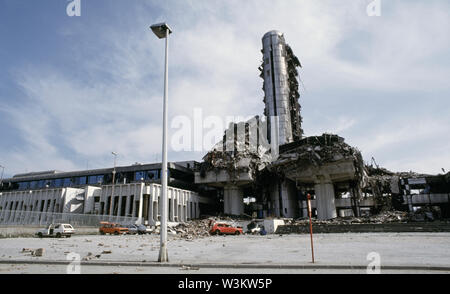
(86,180)
(65,182)
(147,175)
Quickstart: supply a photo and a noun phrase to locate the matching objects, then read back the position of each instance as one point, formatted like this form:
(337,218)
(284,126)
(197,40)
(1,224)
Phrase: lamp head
(160,29)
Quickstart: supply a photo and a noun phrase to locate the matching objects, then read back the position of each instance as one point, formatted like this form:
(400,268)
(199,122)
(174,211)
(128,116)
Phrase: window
(67,182)
(41,184)
(152,174)
(23,185)
(138,176)
(33,184)
(146,175)
(58,183)
(81,181)
(95,180)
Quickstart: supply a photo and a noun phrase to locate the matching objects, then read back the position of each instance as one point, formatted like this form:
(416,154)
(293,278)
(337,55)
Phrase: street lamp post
(162,30)
(112,187)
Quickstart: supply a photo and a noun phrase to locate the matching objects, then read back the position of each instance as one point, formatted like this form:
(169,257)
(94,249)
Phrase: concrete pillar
(233,198)
(141,203)
(326,206)
(185,203)
(410,203)
(119,206)
(305,209)
(283,199)
(3,205)
(18,212)
(5,216)
(127,205)
(151,205)
(172,204)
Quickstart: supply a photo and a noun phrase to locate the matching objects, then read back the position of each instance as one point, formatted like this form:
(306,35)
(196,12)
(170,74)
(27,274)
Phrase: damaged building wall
(322,162)
(280,172)
(279,71)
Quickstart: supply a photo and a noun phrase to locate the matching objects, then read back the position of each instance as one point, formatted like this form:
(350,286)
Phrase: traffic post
(310,226)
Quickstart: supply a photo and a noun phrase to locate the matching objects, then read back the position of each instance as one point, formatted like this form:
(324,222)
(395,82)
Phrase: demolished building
(266,160)
(269,159)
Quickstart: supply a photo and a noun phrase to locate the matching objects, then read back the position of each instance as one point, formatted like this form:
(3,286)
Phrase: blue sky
(73,89)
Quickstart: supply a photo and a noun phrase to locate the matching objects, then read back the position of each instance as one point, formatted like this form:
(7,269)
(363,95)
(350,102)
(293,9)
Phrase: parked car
(138,229)
(143,229)
(112,228)
(132,229)
(56,230)
(224,228)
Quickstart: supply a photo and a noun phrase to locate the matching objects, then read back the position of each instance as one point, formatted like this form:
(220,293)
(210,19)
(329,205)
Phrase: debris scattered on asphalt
(189,268)
(38,252)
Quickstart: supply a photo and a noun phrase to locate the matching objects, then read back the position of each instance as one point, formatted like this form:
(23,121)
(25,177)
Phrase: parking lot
(351,249)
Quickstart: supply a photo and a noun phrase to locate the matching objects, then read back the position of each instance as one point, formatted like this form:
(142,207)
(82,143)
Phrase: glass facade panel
(92,180)
(23,185)
(58,183)
(152,175)
(95,180)
(138,176)
(147,175)
(41,184)
(67,182)
(82,181)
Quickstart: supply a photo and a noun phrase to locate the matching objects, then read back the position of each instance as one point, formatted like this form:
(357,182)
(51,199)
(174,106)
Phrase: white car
(56,230)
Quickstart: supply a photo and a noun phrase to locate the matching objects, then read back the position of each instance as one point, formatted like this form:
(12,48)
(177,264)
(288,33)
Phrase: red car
(223,228)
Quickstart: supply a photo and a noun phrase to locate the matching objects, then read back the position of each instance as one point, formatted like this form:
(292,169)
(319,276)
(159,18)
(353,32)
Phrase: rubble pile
(249,155)
(318,150)
(381,218)
(196,228)
(193,229)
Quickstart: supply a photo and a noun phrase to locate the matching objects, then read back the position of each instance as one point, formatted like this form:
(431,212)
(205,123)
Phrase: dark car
(132,229)
(142,229)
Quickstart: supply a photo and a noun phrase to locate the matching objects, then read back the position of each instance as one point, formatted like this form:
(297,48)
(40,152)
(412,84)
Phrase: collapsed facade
(268,158)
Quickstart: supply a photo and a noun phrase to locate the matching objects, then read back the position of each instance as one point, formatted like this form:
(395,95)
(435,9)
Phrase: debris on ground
(106,252)
(189,268)
(34,252)
(88,256)
(384,217)
(38,252)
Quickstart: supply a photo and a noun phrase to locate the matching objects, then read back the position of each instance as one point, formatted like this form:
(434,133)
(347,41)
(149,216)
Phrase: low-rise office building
(135,196)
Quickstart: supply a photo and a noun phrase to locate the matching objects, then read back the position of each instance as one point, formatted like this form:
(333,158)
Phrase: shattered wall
(279,71)
(244,148)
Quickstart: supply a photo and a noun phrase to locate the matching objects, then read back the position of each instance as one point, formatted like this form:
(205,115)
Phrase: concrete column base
(326,206)
(233,199)
(284,200)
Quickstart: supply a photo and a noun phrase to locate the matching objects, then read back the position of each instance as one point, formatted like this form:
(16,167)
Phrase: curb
(227,265)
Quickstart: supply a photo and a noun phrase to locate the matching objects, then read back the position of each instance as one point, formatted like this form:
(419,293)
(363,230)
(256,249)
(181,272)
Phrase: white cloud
(116,101)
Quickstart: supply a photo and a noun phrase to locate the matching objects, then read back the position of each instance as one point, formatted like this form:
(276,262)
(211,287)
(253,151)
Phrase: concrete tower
(279,71)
